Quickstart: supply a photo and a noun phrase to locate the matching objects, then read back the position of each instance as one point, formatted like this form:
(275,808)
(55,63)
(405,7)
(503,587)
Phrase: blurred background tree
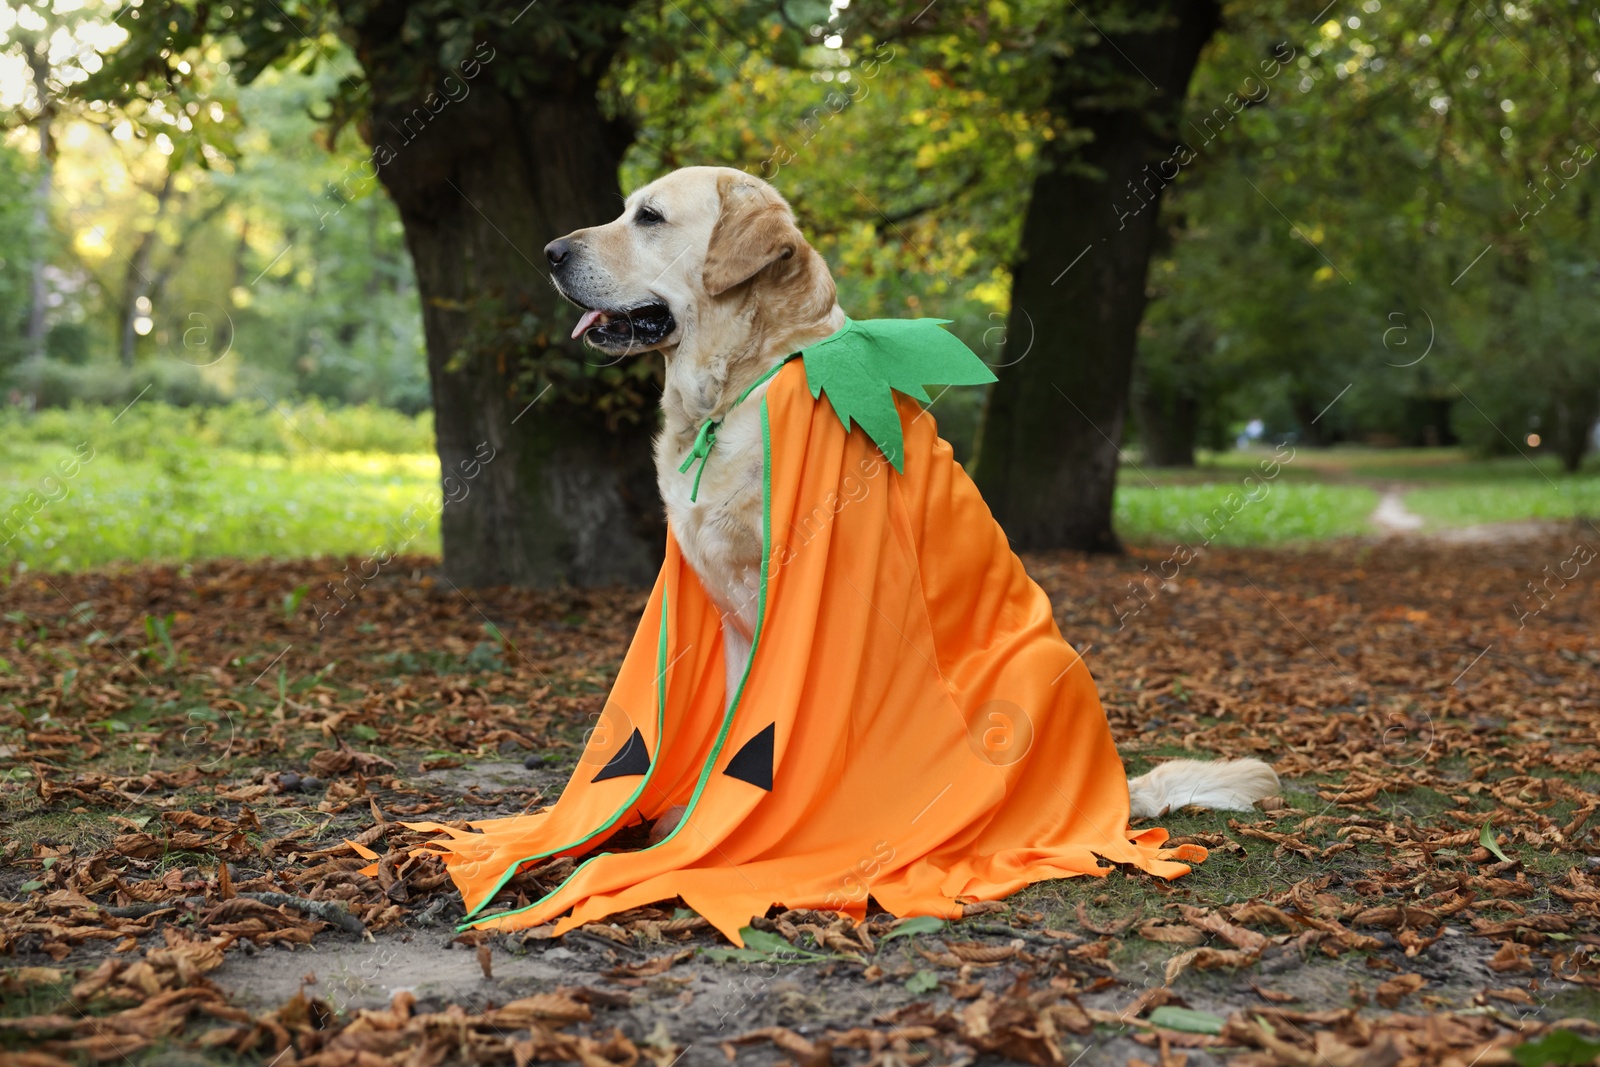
(485,129)
(1373,220)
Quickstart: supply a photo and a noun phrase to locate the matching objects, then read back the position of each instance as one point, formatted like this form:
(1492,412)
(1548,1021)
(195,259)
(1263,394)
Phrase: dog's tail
(1231,785)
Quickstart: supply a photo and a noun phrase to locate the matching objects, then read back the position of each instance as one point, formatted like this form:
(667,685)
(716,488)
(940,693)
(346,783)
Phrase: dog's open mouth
(640,327)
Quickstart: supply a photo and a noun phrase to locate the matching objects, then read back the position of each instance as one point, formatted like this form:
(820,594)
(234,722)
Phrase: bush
(68,342)
(356,428)
(54,384)
(163,429)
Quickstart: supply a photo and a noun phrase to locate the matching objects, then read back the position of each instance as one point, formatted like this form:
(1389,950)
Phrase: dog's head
(692,254)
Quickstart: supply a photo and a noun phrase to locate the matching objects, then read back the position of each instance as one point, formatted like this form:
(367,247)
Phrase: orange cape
(911,725)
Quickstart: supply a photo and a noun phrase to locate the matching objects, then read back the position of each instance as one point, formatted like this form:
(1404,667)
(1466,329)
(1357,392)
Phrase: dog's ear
(753,232)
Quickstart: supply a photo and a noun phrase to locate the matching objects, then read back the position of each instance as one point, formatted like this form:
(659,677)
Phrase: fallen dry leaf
(1396,989)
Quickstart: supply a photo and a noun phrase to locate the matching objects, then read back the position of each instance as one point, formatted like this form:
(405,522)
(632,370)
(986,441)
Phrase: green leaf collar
(861,367)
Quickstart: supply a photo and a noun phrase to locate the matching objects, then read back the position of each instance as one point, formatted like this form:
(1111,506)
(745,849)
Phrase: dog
(707,266)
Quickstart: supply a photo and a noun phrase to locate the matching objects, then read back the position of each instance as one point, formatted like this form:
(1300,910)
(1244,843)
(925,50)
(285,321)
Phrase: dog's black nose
(556,251)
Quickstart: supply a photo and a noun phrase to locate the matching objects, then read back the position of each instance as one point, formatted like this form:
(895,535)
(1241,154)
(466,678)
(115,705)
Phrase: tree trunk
(1575,421)
(138,284)
(1169,423)
(1313,430)
(225,334)
(538,490)
(1048,449)
(39,66)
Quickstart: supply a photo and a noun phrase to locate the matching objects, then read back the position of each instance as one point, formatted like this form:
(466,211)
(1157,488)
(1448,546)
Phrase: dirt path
(1393,517)
(698,1004)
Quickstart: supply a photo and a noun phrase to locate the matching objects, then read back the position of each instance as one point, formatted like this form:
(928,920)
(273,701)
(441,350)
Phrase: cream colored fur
(1230,785)
(746,291)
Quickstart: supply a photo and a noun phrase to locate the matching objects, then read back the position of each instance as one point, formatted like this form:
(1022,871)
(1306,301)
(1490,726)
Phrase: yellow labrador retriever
(707,266)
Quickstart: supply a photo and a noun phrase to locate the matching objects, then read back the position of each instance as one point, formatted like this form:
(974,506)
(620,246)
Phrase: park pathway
(1393,517)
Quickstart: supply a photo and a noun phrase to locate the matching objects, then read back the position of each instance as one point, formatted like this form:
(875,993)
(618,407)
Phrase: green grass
(88,487)
(1565,497)
(1448,487)
(1222,512)
(193,499)
(1360,463)
(82,487)
(179,505)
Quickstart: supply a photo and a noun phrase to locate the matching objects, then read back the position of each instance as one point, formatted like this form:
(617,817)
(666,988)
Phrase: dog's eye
(647,216)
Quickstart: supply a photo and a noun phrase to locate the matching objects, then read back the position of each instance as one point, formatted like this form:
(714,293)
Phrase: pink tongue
(584,323)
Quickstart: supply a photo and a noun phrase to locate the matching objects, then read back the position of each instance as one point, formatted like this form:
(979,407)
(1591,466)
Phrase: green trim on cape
(472,917)
(661,655)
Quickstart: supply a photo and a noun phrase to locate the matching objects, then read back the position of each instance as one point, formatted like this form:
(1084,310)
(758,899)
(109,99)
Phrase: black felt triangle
(633,759)
(753,762)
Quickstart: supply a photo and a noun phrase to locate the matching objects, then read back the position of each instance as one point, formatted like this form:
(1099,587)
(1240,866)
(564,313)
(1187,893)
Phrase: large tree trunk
(1169,423)
(138,284)
(538,489)
(38,299)
(1575,421)
(1308,418)
(1048,448)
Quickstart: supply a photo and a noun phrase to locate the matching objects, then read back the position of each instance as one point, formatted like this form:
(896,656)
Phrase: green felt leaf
(863,365)
(922,982)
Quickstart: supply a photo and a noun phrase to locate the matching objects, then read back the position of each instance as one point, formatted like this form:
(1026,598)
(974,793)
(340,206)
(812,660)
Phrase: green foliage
(151,427)
(269,261)
(922,924)
(430,39)
(224,505)
(69,342)
(1486,838)
(761,946)
(323,299)
(1544,308)
(317,288)
(1559,1048)
(311,426)
(292,601)
(1363,219)
(56,384)
(910,183)
(158,640)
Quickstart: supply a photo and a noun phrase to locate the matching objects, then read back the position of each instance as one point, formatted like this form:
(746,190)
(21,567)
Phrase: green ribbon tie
(701,450)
